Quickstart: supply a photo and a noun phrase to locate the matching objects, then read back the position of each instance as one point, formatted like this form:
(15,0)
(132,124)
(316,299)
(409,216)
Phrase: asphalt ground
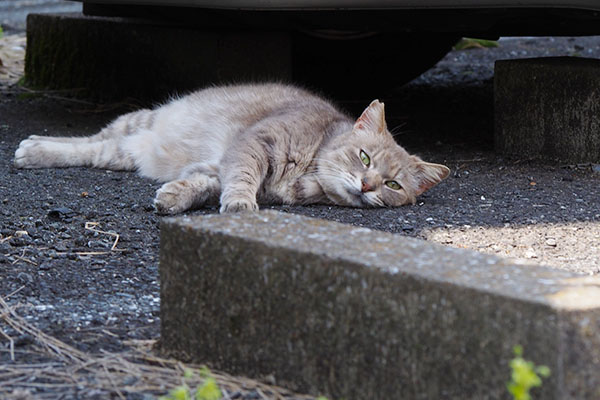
(60,272)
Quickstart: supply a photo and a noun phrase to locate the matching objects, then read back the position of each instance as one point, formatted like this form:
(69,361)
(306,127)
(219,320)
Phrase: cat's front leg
(191,192)
(239,195)
(242,173)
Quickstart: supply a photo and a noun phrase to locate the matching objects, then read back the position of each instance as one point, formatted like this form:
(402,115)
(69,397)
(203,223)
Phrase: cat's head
(367,168)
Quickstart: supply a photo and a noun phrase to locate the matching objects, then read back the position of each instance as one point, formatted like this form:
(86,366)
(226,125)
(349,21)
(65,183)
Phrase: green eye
(365,158)
(393,185)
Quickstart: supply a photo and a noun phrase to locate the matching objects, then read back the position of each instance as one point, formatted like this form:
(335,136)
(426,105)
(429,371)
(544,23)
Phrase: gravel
(58,227)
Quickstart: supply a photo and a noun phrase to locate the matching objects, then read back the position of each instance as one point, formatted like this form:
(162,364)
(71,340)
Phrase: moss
(29,95)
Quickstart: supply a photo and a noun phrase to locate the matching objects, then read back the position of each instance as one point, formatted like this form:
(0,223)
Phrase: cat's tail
(128,124)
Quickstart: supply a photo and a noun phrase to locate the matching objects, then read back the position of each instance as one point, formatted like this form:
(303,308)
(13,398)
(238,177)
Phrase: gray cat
(249,144)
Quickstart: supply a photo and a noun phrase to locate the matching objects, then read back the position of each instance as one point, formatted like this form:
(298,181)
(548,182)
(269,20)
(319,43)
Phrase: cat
(249,144)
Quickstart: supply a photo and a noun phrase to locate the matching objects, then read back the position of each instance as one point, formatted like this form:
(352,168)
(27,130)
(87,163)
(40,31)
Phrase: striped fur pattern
(248,144)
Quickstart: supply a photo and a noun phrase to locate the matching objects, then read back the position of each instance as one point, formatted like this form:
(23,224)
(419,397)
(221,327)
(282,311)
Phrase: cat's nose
(365,186)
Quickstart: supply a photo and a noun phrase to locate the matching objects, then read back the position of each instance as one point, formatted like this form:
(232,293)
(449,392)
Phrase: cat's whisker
(397,130)
(332,166)
(331,162)
(378,201)
(328,171)
(331,172)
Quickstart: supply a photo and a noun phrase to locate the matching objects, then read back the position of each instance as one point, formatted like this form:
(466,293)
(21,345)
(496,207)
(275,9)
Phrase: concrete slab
(548,108)
(116,58)
(352,313)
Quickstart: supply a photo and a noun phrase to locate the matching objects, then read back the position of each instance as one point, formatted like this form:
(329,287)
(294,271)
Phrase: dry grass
(68,371)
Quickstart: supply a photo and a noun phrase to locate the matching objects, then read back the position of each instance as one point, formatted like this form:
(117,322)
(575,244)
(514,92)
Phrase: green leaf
(471,43)
(179,393)
(518,350)
(209,390)
(188,373)
(524,375)
(543,370)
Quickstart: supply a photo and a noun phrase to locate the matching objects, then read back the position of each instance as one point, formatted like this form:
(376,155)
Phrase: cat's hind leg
(124,125)
(198,186)
(102,150)
(49,154)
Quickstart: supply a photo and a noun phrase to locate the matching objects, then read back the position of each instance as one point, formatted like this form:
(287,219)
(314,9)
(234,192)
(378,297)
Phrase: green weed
(470,43)
(525,375)
(208,390)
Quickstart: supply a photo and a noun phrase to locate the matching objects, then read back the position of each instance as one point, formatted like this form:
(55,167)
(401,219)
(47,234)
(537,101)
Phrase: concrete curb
(548,108)
(351,313)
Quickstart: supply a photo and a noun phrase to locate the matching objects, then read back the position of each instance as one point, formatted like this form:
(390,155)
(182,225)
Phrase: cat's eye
(393,185)
(364,157)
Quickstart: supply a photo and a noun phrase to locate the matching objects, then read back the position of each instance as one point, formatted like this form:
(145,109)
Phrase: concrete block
(548,108)
(116,58)
(352,313)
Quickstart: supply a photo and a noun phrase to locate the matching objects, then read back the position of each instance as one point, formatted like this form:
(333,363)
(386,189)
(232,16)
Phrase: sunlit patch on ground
(12,59)
(565,246)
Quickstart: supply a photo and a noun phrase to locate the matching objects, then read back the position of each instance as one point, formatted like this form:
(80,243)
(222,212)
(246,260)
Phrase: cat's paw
(30,154)
(174,197)
(238,205)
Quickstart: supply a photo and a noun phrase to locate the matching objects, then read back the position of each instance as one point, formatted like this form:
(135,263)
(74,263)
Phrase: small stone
(44,266)
(60,247)
(530,253)
(61,213)
(20,241)
(551,242)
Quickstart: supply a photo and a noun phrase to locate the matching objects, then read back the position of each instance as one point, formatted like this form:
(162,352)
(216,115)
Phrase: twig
(15,292)
(108,375)
(91,226)
(11,344)
(6,239)
(107,372)
(24,259)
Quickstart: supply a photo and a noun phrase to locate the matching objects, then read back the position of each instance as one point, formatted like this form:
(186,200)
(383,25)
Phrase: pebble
(20,241)
(530,253)
(61,214)
(45,266)
(551,242)
(60,247)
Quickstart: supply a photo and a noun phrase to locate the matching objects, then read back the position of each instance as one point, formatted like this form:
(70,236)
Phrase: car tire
(367,64)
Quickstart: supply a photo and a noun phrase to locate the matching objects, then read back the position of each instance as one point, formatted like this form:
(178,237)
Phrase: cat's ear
(429,174)
(372,119)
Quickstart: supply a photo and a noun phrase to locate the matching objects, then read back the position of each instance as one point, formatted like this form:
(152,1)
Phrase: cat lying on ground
(248,144)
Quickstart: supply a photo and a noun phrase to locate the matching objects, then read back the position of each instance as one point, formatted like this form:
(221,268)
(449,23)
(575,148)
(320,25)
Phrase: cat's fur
(249,144)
